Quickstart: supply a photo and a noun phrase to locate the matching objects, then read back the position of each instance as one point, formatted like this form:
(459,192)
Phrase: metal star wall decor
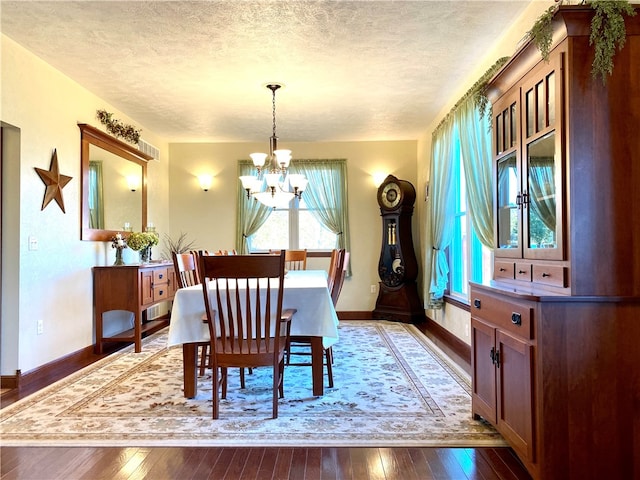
(54,181)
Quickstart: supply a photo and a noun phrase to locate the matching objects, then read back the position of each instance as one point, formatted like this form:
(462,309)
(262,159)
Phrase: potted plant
(142,242)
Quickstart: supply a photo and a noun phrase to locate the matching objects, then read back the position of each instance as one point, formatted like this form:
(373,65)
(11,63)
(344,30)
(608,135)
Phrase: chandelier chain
(273,102)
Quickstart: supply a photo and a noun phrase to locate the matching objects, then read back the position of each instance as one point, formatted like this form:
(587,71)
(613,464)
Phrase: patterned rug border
(243,439)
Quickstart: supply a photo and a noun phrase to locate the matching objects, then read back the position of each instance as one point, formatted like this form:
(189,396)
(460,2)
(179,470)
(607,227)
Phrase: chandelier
(272,185)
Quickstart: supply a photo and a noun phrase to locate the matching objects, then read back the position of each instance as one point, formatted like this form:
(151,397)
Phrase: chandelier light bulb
(258,159)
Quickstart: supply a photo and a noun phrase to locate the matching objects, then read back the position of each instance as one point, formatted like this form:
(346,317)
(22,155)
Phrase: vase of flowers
(142,243)
(119,243)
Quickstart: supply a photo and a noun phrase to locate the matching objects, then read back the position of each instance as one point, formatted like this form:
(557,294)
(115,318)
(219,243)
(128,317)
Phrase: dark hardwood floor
(160,463)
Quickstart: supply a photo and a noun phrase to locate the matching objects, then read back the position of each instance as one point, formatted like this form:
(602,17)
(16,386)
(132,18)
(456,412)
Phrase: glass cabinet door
(541,193)
(542,229)
(507,176)
(508,206)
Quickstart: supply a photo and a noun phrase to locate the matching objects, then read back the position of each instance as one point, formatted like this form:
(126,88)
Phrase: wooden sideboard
(132,288)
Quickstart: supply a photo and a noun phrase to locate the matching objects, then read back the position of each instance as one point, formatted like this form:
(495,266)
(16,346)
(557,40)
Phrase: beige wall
(209,218)
(54,282)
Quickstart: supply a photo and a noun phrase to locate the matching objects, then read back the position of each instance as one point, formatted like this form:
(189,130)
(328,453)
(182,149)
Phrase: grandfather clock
(398,297)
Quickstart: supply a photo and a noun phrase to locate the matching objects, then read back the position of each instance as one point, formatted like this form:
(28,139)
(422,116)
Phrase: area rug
(392,387)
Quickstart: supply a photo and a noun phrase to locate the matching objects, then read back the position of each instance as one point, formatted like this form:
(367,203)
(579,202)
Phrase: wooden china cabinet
(556,333)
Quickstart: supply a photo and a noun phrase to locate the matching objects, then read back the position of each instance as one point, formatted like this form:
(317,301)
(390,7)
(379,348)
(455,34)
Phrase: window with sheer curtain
(469,259)
(293,227)
(459,227)
(319,221)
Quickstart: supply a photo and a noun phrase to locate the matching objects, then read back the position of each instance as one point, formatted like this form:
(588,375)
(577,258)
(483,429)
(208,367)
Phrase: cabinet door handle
(520,272)
(501,269)
(516,319)
(545,274)
(495,357)
(477,303)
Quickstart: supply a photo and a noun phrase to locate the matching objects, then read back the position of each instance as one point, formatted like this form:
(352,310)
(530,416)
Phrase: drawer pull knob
(545,274)
(477,303)
(522,271)
(516,319)
(502,269)
(161,276)
(161,292)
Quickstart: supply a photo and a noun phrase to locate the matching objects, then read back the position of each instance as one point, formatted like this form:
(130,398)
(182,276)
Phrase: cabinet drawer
(503,270)
(160,275)
(160,292)
(523,271)
(511,316)
(553,275)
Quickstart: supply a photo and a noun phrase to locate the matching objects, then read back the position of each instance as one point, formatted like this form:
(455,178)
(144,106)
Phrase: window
(469,260)
(318,221)
(294,227)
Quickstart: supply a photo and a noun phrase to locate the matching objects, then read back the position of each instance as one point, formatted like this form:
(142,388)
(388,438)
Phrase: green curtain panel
(475,145)
(326,196)
(251,214)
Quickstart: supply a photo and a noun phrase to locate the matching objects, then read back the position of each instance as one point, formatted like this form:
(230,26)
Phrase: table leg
(189,361)
(317,359)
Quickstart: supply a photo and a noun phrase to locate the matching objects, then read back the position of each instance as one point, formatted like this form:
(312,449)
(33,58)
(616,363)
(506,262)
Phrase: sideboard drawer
(553,275)
(511,316)
(523,271)
(160,292)
(503,270)
(160,275)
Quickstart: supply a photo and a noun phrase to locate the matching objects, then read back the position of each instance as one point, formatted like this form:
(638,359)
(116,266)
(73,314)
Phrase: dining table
(304,290)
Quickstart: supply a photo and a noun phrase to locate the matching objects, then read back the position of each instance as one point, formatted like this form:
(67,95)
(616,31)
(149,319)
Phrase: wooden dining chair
(248,326)
(333,265)
(186,268)
(300,345)
(340,274)
(296,259)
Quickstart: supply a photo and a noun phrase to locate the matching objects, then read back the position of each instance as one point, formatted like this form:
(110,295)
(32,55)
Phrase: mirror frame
(92,136)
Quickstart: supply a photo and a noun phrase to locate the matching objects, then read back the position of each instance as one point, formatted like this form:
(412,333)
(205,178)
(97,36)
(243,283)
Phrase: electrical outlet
(33,243)
(40,327)
(466,330)
(373,289)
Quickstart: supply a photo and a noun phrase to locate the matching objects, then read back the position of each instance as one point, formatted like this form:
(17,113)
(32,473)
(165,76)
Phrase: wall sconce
(205,181)
(133,182)
(378,178)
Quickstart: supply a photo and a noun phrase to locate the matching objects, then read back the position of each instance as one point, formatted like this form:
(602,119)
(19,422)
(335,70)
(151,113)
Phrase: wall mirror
(114,185)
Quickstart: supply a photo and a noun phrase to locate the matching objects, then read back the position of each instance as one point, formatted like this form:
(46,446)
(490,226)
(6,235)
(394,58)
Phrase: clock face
(390,196)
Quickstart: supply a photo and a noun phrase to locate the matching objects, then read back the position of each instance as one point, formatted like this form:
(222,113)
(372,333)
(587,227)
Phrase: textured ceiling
(195,71)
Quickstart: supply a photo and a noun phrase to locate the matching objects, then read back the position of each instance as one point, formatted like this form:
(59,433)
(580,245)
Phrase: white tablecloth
(304,290)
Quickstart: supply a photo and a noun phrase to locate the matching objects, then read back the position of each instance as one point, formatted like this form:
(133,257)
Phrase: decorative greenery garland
(608,32)
(479,93)
(117,128)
